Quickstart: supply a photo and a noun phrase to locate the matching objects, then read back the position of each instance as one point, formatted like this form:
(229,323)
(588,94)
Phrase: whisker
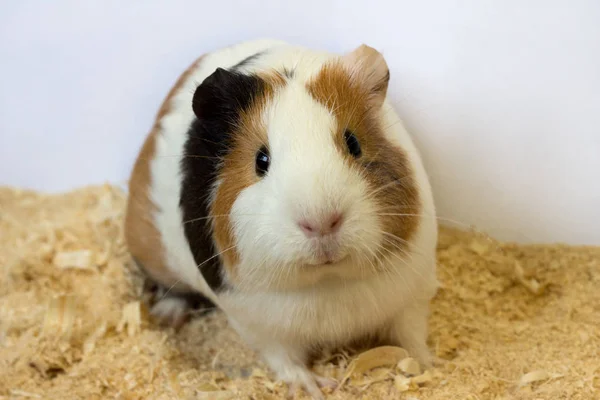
(219,216)
(395,272)
(216,255)
(396,246)
(411,245)
(198,266)
(410,264)
(399,121)
(169,289)
(387,185)
(181,156)
(425,215)
(374,257)
(363,172)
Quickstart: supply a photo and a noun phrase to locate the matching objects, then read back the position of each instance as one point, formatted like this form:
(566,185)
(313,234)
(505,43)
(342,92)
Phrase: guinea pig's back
(153,223)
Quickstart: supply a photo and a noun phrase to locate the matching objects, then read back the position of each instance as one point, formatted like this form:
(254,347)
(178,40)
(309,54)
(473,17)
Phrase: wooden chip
(105,209)
(402,383)
(531,284)
(131,318)
(452,343)
(207,387)
(103,257)
(81,259)
(534,376)
(131,381)
(409,366)
(261,375)
(22,393)
(174,383)
(373,358)
(90,342)
(211,391)
(479,247)
(258,373)
(423,378)
(215,395)
(377,375)
(60,316)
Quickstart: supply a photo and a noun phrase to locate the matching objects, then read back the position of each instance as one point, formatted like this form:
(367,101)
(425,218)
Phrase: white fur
(284,306)
(169,309)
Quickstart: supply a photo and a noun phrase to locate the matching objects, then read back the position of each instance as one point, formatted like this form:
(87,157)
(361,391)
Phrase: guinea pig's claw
(171,312)
(312,388)
(325,382)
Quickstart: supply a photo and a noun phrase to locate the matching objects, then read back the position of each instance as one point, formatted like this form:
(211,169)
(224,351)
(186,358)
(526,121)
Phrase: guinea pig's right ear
(209,99)
(370,68)
(223,94)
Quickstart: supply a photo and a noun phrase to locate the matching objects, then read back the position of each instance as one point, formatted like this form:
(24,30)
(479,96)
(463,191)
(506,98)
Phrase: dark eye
(352,143)
(263,160)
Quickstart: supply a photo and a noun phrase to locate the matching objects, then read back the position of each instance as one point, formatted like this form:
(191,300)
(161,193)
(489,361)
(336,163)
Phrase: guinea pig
(279,186)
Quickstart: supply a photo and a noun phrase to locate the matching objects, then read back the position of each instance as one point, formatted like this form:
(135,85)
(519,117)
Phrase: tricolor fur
(201,219)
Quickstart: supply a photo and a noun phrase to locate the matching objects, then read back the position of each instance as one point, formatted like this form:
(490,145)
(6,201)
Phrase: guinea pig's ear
(210,98)
(223,94)
(369,66)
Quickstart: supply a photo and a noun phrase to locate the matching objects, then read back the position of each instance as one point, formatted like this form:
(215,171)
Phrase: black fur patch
(247,60)
(194,300)
(289,73)
(217,104)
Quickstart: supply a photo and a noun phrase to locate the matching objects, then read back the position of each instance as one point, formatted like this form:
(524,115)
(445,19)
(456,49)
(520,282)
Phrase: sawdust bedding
(510,322)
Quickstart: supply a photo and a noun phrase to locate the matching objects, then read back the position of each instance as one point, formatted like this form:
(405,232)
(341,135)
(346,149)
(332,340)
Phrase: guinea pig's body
(279,185)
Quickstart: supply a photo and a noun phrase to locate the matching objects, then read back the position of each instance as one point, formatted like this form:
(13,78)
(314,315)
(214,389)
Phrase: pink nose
(322,227)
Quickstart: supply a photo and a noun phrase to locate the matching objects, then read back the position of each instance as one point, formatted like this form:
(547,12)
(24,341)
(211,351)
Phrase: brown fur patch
(238,171)
(142,236)
(356,107)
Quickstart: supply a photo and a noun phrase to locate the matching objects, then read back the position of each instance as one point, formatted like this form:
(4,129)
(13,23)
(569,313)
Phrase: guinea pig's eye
(352,143)
(263,160)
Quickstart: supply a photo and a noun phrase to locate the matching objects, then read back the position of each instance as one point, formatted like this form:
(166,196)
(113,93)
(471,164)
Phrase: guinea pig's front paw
(409,330)
(325,382)
(289,366)
(170,311)
(311,385)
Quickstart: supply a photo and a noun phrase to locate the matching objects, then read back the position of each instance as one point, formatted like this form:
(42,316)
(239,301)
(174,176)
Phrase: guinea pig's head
(308,186)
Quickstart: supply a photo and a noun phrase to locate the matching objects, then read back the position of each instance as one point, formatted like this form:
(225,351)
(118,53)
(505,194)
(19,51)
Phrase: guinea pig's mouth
(327,261)
(325,253)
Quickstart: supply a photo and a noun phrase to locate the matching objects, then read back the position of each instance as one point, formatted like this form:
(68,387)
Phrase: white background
(502,97)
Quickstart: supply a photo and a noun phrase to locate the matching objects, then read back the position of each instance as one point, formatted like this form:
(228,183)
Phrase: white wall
(503,97)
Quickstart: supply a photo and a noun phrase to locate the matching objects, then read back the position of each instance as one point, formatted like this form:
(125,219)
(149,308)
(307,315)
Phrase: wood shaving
(373,358)
(377,375)
(531,284)
(216,395)
(21,393)
(81,259)
(534,376)
(409,366)
(503,309)
(60,316)
(131,318)
(90,342)
(403,383)
(423,378)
